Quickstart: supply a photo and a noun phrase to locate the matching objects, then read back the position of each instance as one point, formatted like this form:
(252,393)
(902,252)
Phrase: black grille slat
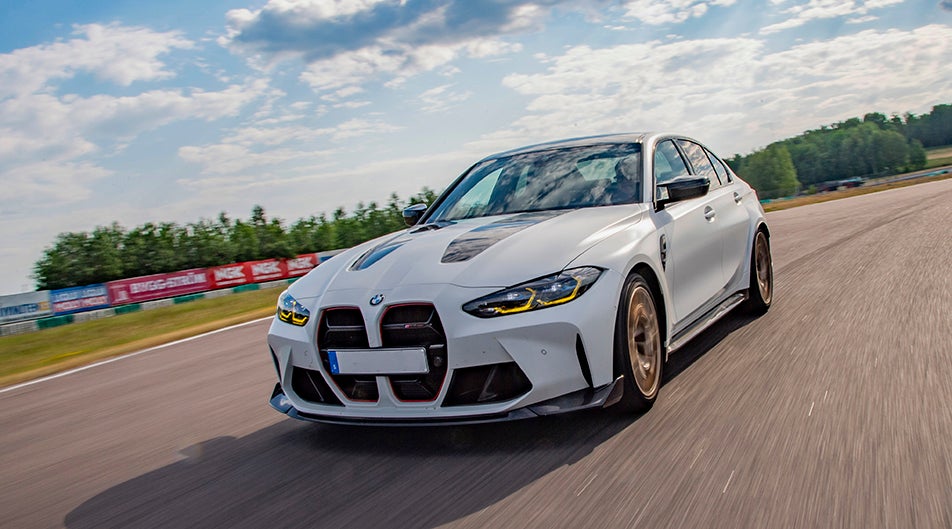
(416,326)
(343,328)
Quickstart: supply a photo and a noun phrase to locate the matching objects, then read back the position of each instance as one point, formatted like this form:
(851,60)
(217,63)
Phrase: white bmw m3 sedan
(544,280)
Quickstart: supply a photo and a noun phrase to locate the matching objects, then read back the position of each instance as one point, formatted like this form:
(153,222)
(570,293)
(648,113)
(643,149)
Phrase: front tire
(760,292)
(638,354)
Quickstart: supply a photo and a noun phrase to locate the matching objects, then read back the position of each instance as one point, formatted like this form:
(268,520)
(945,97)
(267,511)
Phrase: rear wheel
(638,354)
(761,276)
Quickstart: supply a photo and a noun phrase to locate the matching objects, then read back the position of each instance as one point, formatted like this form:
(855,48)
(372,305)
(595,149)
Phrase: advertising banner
(228,276)
(76,299)
(258,271)
(26,306)
(267,270)
(301,264)
(147,288)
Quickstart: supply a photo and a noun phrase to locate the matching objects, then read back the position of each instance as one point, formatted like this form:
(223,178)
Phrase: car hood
(496,251)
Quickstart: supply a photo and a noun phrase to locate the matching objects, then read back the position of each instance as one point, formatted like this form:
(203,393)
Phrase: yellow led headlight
(539,293)
(291,311)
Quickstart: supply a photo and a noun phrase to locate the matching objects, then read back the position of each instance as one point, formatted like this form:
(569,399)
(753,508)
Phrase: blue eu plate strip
(332,357)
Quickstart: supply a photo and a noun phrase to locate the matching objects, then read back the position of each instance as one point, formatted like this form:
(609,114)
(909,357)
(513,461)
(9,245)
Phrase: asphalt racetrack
(833,410)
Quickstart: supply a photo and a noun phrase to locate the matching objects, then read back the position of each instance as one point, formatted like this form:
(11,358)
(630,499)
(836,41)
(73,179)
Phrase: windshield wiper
(433,226)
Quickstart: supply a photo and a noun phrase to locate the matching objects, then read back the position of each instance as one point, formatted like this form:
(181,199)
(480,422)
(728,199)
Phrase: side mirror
(681,189)
(413,214)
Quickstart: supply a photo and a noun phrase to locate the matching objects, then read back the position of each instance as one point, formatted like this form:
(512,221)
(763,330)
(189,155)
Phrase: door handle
(709,213)
(737,198)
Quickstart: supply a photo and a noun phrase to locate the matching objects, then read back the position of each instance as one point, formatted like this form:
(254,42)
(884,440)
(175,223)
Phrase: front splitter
(584,399)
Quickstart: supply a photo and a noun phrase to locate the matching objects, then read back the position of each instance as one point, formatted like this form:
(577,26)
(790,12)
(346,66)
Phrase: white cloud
(346,44)
(803,13)
(343,74)
(49,142)
(114,53)
(296,148)
(233,159)
(482,48)
(48,182)
(441,98)
(731,91)
(657,12)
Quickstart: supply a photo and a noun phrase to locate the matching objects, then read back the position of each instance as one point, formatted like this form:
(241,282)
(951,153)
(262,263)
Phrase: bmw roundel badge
(376,300)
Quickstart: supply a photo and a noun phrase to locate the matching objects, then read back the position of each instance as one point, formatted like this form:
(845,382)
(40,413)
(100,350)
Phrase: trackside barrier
(80,317)
(26,327)
(126,309)
(23,327)
(32,311)
(55,321)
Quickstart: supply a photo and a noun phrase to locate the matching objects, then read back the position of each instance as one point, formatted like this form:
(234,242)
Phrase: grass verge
(27,356)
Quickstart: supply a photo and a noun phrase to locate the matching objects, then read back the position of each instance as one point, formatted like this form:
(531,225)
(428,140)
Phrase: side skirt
(706,320)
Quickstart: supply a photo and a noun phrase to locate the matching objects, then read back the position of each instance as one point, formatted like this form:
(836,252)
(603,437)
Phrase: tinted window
(668,163)
(561,178)
(699,161)
(718,168)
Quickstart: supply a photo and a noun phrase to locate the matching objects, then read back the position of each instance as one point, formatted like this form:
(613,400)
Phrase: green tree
(891,151)
(771,172)
(917,156)
(244,240)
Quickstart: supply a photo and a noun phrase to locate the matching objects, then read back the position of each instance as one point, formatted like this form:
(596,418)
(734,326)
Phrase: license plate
(379,361)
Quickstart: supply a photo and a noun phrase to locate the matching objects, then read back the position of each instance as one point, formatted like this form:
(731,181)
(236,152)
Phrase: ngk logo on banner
(266,270)
(228,276)
(236,274)
(301,264)
(229,273)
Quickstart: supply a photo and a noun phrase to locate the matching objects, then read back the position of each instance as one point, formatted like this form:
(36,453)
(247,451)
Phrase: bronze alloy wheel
(638,352)
(763,267)
(760,292)
(644,341)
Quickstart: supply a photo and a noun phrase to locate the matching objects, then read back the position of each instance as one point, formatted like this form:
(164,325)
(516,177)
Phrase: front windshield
(565,178)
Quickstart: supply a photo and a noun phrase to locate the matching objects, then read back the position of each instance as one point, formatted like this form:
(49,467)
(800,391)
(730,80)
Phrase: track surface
(833,410)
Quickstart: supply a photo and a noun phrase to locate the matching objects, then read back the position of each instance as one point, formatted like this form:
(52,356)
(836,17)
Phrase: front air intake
(487,384)
(311,386)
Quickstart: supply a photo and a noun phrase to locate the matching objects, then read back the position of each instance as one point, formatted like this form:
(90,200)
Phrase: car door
(736,219)
(693,263)
(729,214)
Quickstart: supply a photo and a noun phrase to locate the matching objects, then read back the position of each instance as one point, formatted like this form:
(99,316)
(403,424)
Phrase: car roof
(584,141)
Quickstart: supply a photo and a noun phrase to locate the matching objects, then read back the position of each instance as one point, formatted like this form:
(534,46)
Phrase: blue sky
(173,111)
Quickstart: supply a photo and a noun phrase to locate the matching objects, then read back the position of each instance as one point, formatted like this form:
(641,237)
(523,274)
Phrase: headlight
(536,294)
(291,311)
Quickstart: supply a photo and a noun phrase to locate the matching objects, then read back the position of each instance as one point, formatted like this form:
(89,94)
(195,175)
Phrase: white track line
(129,355)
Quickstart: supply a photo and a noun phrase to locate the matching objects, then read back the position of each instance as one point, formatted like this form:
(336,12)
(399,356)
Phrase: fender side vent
(583,360)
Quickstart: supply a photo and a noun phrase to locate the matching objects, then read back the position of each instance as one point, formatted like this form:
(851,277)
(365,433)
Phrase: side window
(700,162)
(718,168)
(721,167)
(668,163)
